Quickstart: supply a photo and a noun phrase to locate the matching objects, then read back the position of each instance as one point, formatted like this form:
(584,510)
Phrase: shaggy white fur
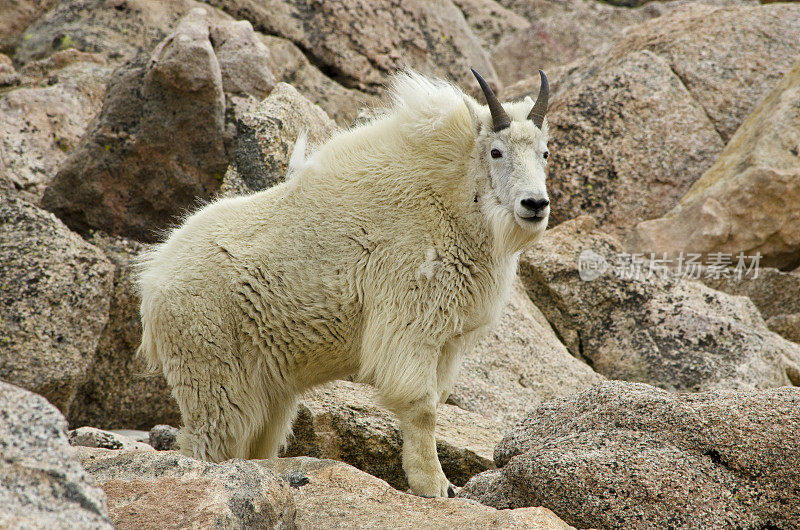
(386,255)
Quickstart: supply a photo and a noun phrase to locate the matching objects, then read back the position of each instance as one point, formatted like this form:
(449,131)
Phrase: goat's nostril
(534,204)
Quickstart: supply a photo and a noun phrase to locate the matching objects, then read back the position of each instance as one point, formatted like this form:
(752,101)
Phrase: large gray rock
(624,455)
(490,21)
(563,31)
(43,121)
(360,44)
(636,123)
(159,144)
(747,202)
(727,57)
(660,329)
(332,494)
(16,15)
(55,297)
(117,30)
(291,66)
(627,143)
(520,364)
(118,390)
(150,490)
(558,32)
(42,484)
(266,136)
(344,422)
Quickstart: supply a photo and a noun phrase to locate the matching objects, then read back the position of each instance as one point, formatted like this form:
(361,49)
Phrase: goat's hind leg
(215,407)
(214,422)
(275,429)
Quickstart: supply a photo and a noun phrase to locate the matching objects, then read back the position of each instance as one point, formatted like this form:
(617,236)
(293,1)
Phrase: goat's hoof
(431,486)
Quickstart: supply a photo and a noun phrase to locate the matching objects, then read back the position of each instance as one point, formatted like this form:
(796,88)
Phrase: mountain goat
(386,255)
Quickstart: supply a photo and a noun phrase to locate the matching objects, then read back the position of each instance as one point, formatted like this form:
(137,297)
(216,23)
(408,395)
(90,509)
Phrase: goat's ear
(474,114)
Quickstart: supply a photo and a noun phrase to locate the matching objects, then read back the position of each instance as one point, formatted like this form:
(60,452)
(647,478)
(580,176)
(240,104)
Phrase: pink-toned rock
(558,33)
(626,143)
(159,144)
(625,455)
(151,490)
(562,31)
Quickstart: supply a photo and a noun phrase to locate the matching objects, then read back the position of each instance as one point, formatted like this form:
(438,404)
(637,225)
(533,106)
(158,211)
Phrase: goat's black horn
(540,107)
(500,119)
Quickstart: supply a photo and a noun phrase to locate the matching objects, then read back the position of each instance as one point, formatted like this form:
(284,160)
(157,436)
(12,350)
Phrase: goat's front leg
(404,370)
(420,459)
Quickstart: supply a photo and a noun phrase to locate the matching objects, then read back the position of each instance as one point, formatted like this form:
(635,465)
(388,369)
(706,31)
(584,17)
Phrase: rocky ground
(628,394)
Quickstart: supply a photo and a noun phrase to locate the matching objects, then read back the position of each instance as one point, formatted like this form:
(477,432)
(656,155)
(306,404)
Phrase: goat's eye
(545,154)
(496,153)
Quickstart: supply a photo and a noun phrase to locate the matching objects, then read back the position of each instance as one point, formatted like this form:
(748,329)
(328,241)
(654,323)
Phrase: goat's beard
(507,234)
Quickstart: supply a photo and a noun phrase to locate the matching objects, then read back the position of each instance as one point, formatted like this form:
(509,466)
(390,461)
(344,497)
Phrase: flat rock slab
(92,437)
(330,494)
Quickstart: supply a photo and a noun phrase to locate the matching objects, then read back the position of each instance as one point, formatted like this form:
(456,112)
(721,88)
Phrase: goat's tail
(298,162)
(148,352)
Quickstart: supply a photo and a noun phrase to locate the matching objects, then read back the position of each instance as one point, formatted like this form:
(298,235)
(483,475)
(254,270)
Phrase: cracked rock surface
(660,328)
